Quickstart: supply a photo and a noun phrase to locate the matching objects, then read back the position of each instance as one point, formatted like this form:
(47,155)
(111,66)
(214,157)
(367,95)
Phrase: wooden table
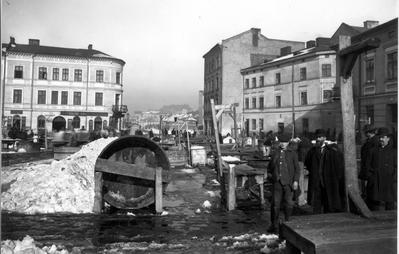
(231,177)
(341,233)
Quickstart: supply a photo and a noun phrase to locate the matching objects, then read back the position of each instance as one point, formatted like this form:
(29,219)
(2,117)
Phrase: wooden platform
(341,233)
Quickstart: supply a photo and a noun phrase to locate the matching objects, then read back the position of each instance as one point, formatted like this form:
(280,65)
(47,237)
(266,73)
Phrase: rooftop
(57,51)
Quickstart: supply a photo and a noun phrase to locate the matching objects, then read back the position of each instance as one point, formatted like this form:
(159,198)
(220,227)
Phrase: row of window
(280,125)
(19,74)
(327,95)
(325,73)
(41,97)
(210,85)
(392,67)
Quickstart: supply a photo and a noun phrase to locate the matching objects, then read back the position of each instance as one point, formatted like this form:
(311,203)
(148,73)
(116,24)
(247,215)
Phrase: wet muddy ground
(188,226)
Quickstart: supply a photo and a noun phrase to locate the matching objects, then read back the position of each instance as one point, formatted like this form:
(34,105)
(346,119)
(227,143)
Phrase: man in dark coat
(381,173)
(372,142)
(285,172)
(326,186)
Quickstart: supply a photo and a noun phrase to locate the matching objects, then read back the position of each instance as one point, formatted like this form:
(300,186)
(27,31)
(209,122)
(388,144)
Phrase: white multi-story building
(295,88)
(58,88)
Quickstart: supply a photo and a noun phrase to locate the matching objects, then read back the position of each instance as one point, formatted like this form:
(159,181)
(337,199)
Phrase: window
(304,98)
(56,74)
(253,124)
(78,75)
(118,77)
(43,73)
(17,98)
(19,72)
(247,103)
(99,76)
(41,97)
(260,123)
(254,102)
(99,99)
(262,81)
(77,97)
(117,99)
(54,97)
(253,82)
(278,101)
(327,95)
(261,102)
(278,78)
(64,97)
(326,70)
(305,125)
(370,114)
(302,74)
(369,70)
(392,66)
(41,122)
(65,74)
(217,82)
(247,83)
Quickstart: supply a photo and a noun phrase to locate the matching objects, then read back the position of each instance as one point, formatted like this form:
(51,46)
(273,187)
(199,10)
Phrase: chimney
(90,47)
(285,51)
(34,42)
(370,24)
(322,41)
(310,44)
(255,36)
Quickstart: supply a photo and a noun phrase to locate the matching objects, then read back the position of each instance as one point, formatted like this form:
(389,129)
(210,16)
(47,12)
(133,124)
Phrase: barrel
(126,192)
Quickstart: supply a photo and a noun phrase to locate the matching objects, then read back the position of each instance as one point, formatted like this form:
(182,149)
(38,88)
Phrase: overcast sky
(163,41)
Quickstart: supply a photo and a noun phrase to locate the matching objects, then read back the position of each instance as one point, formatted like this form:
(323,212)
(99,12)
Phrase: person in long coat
(285,173)
(381,173)
(371,142)
(326,186)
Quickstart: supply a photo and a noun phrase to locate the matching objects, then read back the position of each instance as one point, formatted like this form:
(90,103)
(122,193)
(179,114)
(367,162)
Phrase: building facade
(222,78)
(375,77)
(293,92)
(53,88)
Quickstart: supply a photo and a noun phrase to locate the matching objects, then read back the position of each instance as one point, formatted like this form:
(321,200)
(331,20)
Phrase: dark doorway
(59,123)
(97,123)
(76,122)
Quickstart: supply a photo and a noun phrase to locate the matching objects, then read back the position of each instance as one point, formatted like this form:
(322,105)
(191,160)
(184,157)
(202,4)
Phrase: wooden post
(351,174)
(215,127)
(158,190)
(231,189)
(235,123)
(98,196)
(188,144)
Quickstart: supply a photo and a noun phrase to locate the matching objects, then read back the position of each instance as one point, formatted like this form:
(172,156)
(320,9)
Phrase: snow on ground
(62,186)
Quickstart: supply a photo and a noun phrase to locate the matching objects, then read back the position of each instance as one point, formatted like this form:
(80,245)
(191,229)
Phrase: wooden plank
(215,127)
(158,190)
(231,190)
(98,196)
(125,169)
(328,233)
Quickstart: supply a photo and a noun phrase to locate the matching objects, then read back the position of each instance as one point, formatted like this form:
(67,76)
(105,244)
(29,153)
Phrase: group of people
(326,178)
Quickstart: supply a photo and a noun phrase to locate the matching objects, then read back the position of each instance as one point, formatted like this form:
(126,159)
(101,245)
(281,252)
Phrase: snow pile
(27,245)
(62,186)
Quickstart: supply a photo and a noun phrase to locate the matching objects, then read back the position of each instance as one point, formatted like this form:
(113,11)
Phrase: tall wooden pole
(351,175)
(215,127)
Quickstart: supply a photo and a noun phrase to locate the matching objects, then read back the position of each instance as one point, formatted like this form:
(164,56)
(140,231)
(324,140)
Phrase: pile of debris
(62,186)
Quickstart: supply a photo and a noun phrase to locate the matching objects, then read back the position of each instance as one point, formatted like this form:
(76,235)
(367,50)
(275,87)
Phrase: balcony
(119,110)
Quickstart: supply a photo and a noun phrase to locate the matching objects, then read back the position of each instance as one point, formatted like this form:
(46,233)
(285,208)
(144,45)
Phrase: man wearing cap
(371,142)
(326,186)
(284,168)
(381,166)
